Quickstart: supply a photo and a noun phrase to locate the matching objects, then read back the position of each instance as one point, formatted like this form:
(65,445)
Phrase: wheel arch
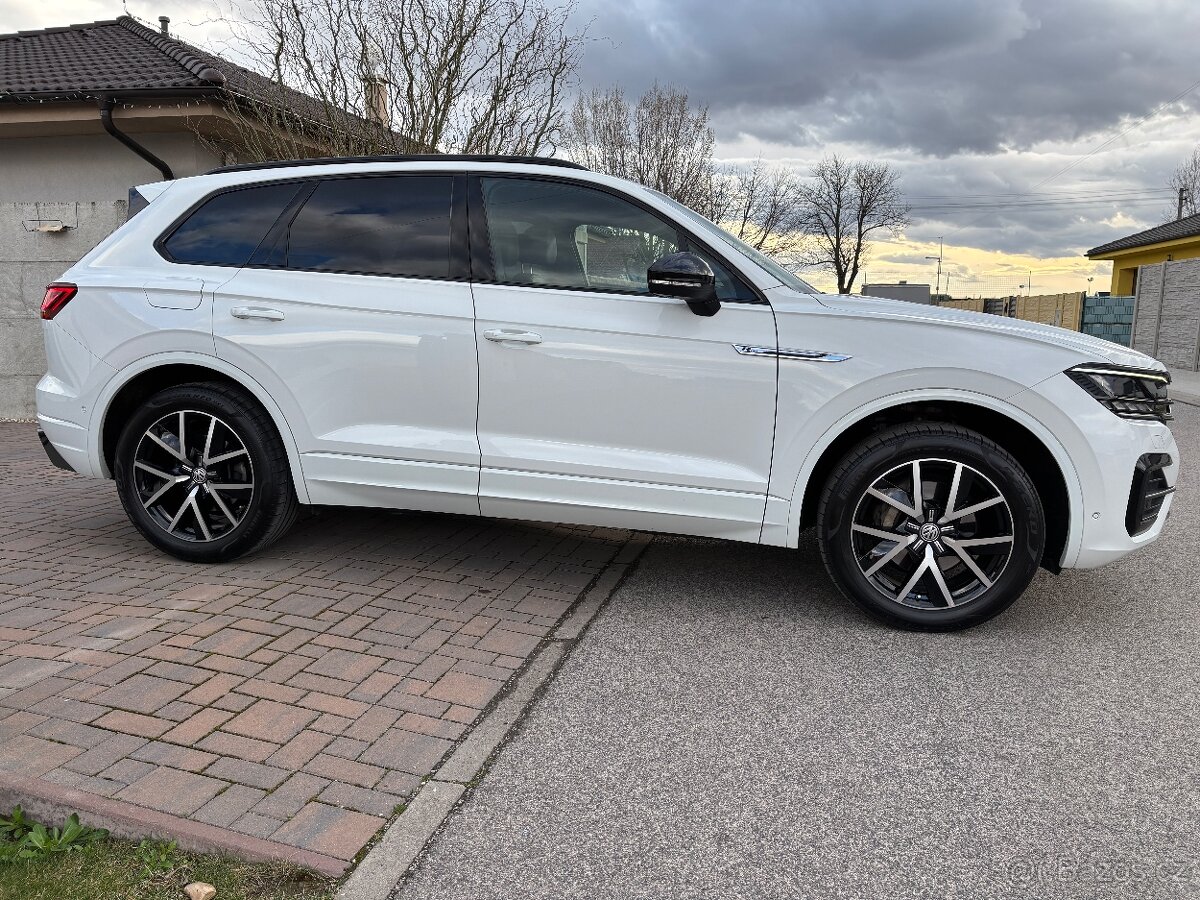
(151,374)
(1034,447)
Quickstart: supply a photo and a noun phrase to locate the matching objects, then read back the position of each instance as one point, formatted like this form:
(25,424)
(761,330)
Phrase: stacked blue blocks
(1110,318)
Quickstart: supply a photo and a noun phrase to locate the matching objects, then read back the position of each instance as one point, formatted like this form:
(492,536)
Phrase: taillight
(57,296)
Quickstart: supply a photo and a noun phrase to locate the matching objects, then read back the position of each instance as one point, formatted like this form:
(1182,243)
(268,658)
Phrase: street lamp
(938,289)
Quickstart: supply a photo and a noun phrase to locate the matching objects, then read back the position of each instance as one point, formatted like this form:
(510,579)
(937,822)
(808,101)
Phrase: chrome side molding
(791,353)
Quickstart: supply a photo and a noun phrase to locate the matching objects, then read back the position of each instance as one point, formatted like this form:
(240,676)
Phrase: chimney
(163,22)
(376,95)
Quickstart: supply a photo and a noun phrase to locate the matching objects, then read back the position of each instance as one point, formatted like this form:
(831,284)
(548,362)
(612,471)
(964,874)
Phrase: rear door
(356,314)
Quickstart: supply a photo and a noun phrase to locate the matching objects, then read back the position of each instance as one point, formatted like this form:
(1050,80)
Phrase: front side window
(551,234)
(785,277)
(396,225)
(729,286)
(227,228)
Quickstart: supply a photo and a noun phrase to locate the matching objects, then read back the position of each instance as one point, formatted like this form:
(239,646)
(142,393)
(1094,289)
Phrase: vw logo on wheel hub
(199,476)
(930,532)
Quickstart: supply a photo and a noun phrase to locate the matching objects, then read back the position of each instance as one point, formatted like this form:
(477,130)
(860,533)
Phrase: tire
(869,498)
(228,440)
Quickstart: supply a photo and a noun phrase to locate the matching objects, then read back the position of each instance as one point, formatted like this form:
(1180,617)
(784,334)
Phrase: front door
(598,402)
(356,315)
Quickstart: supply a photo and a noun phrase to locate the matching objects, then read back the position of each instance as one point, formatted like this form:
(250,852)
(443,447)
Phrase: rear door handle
(257,312)
(508,336)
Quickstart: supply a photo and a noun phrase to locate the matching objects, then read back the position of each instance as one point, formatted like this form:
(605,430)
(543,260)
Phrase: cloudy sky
(1025,131)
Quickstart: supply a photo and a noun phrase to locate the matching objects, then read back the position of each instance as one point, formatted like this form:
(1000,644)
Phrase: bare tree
(666,144)
(660,142)
(388,76)
(761,205)
(843,208)
(1187,179)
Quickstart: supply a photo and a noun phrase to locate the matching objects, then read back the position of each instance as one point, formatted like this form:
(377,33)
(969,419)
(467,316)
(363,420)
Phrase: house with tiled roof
(1173,241)
(89,111)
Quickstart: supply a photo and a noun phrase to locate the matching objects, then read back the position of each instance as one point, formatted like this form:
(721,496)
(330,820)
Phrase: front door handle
(508,336)
(257,312)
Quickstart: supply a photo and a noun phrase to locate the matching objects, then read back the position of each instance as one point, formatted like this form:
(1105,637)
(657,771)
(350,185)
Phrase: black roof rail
(409,157)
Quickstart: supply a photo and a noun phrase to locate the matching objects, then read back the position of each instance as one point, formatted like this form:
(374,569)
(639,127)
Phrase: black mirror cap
(688,277)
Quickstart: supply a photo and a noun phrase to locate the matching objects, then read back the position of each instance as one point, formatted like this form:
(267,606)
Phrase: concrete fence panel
(1063,310)
(975,305)
(1167,313)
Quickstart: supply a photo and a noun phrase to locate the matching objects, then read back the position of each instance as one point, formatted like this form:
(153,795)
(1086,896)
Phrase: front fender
(799,449)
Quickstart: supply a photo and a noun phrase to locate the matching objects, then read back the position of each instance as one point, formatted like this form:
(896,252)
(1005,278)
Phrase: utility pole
(941,249)
(1183,192)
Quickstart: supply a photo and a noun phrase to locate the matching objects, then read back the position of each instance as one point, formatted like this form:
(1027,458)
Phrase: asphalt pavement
(731,727)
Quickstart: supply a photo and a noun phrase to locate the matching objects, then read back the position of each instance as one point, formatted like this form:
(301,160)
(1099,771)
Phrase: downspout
(106,119)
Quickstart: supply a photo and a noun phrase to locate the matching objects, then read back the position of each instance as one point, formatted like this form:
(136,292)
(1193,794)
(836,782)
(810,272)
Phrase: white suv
(526,339)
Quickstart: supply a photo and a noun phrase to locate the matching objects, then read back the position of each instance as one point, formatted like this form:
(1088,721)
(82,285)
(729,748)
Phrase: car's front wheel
(203,474)
(931,527)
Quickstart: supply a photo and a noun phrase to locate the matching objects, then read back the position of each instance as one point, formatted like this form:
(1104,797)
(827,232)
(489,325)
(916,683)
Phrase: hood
(1095,349)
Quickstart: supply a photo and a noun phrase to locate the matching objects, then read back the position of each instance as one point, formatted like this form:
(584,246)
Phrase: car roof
(295,169)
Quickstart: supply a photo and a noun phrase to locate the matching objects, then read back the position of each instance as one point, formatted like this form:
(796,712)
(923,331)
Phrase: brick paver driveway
(292,699)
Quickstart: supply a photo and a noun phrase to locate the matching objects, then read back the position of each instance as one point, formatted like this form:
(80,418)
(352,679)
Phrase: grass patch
(123,870)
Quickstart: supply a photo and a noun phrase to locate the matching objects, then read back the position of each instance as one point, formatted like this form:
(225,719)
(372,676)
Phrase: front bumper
(1106,452)
(1149,493)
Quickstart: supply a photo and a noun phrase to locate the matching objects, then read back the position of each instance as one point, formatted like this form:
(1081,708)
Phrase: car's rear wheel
(931,527)
(203,475)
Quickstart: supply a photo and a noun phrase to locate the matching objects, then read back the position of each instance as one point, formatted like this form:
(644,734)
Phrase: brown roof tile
(78,62)
(1189,226)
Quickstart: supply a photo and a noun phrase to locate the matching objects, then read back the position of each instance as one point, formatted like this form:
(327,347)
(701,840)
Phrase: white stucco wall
(82,180)
(87,167)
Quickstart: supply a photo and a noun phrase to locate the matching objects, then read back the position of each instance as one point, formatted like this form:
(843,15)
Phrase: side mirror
(688,277)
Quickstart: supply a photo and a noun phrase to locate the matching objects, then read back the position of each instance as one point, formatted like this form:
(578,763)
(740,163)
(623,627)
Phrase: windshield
(775,269)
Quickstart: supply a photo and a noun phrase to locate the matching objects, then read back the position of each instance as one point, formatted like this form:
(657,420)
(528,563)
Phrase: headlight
(1130,393)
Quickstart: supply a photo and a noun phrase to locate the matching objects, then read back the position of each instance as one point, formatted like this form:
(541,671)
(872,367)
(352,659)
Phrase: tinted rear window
(377,226)
(226,230)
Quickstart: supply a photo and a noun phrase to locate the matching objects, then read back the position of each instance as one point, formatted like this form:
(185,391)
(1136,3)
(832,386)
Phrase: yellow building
(1175,240)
